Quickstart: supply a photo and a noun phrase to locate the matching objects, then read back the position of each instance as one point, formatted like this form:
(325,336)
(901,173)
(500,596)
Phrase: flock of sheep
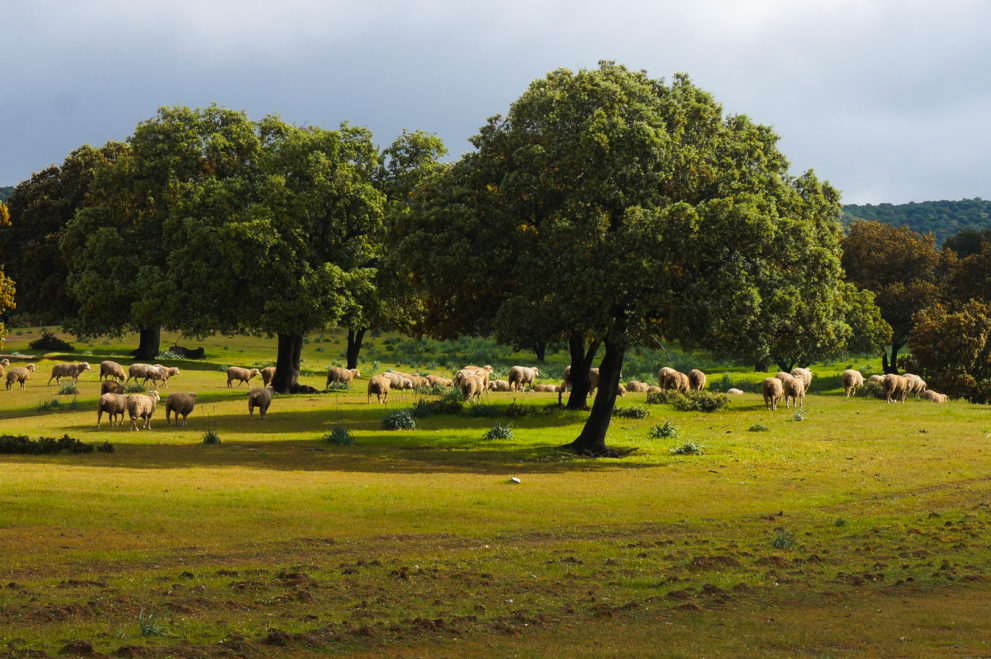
(471,381)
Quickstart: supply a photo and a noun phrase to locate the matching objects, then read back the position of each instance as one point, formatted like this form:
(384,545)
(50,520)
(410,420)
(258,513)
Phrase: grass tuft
(340,435)
(689,448)
(665,430)
(499,431)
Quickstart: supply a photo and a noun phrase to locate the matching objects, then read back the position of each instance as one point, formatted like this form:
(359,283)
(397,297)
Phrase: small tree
(953,349)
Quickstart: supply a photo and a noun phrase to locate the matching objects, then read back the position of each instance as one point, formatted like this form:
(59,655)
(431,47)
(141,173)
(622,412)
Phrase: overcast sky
(888,100)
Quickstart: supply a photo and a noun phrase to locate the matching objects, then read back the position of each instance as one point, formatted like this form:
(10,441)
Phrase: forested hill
(5,192)
(942,218)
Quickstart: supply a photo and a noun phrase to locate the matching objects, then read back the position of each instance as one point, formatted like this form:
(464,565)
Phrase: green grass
(418,543)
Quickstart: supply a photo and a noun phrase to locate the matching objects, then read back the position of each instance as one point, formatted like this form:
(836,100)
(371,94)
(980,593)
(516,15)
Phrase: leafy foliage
(631,412)
(665,430)
(340,435)
(499,431)
(689,448)
(211,438)
(941,218)
(48,341)
(953,349)
(691,401)
(398,420)
(21,444)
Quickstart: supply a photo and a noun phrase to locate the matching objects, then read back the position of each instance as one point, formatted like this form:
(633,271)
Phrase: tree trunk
(287,363)
(581,361)
(592,440)
(355,338)
(890,366)
(541,350)
(149,344)
(785,366)
(761,365)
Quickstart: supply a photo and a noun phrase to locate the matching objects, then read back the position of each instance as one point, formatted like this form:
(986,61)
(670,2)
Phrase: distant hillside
(5,192)
(941,218)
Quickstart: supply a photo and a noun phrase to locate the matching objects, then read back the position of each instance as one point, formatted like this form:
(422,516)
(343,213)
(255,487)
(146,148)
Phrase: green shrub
(56,404)
(398,420)
(875,389)
(134,388)
(69,388)
(631,412)
(690,448)
(51,343)
(211,438)
(700,401)
(664,397)
(500,432)
(758,427)
(663,431)
(449,403)
(168,354)
(339,386)
(21,444)
(340,435)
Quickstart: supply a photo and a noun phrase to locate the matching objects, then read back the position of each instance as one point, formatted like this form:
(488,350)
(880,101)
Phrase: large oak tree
(625,210)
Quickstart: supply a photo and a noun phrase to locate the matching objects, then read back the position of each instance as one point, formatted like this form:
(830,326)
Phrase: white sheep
(662,374)
(19,374)
(260,397)
(794,391)
(541,388)
(68,370)
(142,406)
(676,381)
(399,380)
(895,386)
(164,373)
(521,376)
(472,385)
(803,374)
(500,385)
(934,397)
(111,370)
(876,378)
(734,391)
(851,379)
(114,405)
(916,385)
(242,375)
(636,385)
(268,374)
(142,372)
(379,385)
(439,381)
(180,404)
(338,374)
(772,390)
(696,380)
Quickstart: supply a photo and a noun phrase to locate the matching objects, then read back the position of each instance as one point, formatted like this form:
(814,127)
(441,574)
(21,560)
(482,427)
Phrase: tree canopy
(6,285)
(614,206)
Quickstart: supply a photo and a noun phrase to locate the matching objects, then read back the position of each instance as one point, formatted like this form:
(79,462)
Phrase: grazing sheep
(242,375)
(338,374)
(500,385)
(521,376)
(735,392)
(267,374)
(19,374)
(783,375)
(111,387)
(4,363)
(399,380)
(876,378)
(472,385)
(677,381)
(260,397)
(180,404)
(794,391)
(141,371)
(696,380)
(895,386)
(664,373)
(418,381)
(114,405)
(482,372)
(654,389)
(636,385)
(111,370)
(142,406)
(851,379)
(916,385)
(544,388)
(439,381)
(931,395)
(803,374)
(379,385)
(772,390)
(164,373)
(620,390)
(67,370)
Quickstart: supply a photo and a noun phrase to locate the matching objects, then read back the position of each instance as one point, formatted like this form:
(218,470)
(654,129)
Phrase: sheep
(418,381)
(916,385)
(876,378)
(111,387)
(500,385)
(19,374)
(4,363)
(931,395)
(242,375)
(677,381)
(267,373)
(620,390)
(139,371)
(696,380)
(142,406)
(794,391)
(663,373)
(636,385)
(472,385)
(895,386)
(180,404)
(803,374)
(398,380)
(111,370)
(654,389)
(379,385)
(439,381)
(67,370)
(851,379)
(260,397)
(338,374)
(783,375)
(164,373)
(114,405)
(543,388)
(734,391)
(772,390)
(482,372)
(593,382)
(521,376)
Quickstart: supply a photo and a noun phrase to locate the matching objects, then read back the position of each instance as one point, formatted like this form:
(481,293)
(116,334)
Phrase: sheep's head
(153,395)
(30,367)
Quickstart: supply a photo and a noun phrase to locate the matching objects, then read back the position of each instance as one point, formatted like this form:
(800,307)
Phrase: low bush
(500,432)
(211,438)
(631,412)
(68,389)
(339,386)
(56,404)
(449,403)
(758,427)
(23,445)
(51,343)
(340,435)
(398,420)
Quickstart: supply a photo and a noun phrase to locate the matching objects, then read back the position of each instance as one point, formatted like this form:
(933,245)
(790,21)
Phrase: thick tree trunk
(761,365)
(541,350)
(149,344)
(892,365)
(355,337)
(581,362)
(592,440)
(287,363)
(785,366)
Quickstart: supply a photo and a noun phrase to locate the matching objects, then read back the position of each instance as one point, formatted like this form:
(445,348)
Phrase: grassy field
(855,528)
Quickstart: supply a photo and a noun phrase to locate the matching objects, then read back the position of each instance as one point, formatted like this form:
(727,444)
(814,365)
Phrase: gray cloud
(888,100)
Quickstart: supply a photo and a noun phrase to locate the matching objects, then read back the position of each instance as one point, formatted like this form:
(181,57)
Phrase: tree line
(606,209)
(943,219)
